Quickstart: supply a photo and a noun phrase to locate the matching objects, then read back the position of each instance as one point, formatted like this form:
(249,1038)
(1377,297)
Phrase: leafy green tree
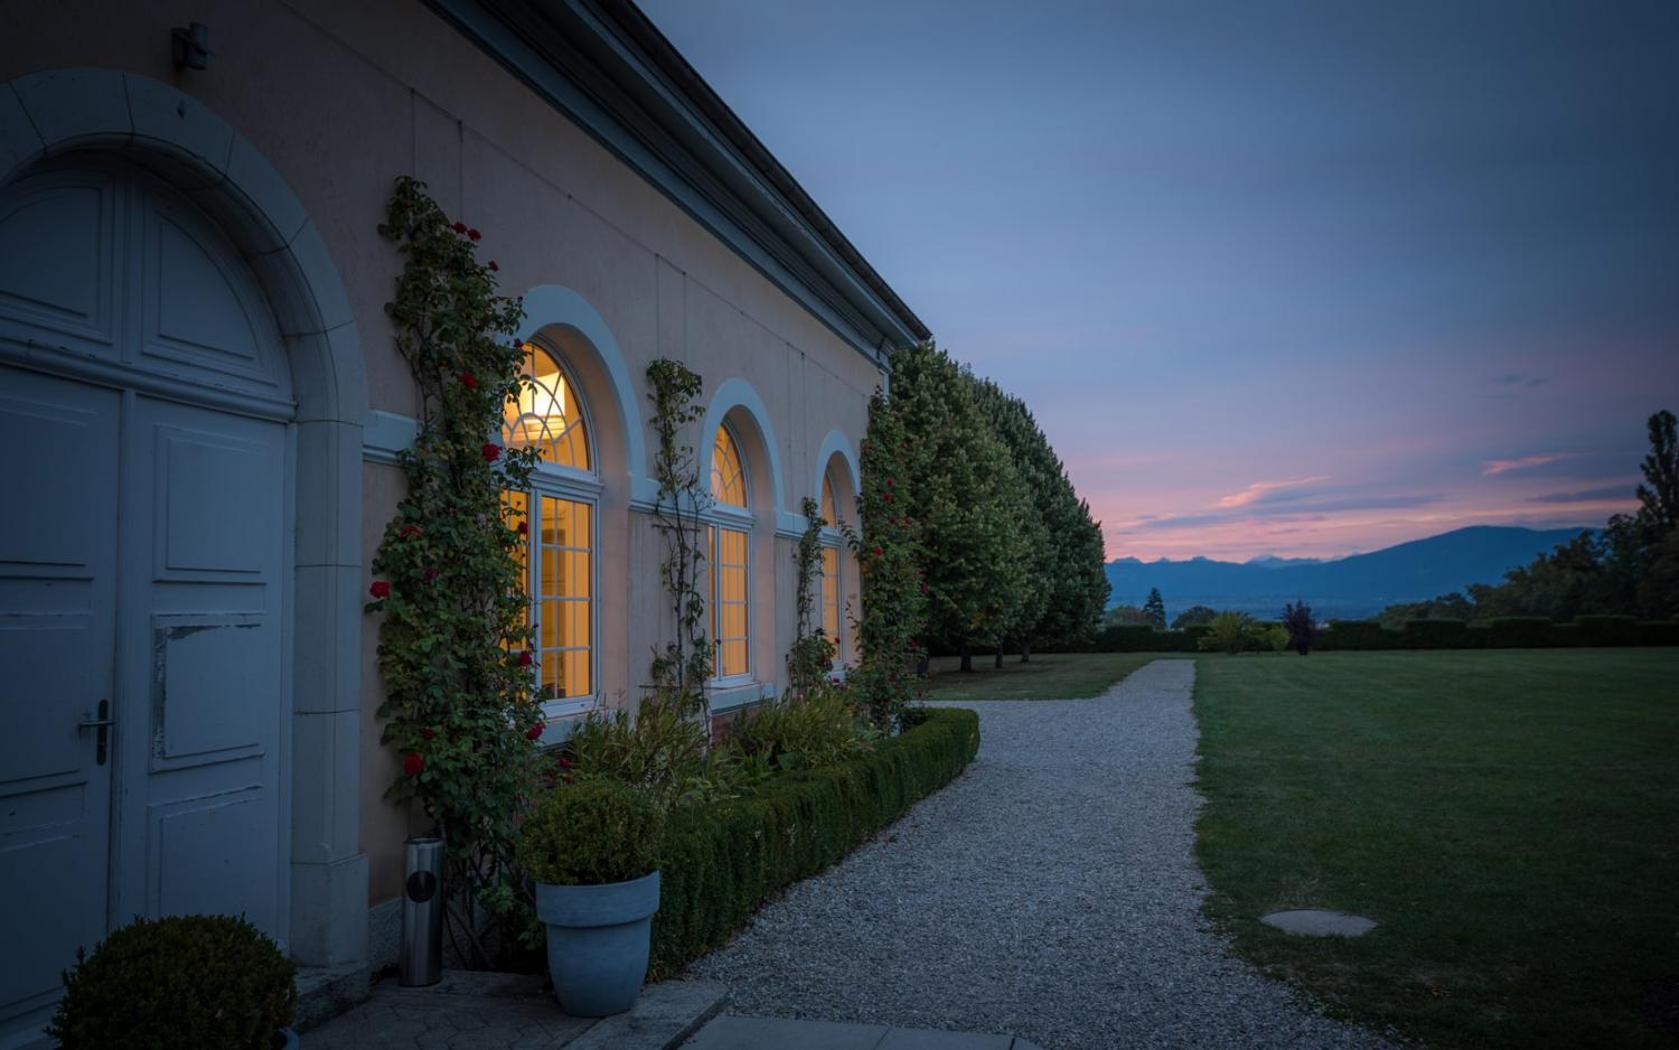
(889,551)
(1230,632)
(1194,616)
(1040,473)
(966,498)
(1155,609)
(1452,606)
(1068,585)
(1126,616)
(1658,497)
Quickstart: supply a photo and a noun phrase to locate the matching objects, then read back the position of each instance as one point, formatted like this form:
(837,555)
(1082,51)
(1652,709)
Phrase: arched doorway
(144,416)
(172,137)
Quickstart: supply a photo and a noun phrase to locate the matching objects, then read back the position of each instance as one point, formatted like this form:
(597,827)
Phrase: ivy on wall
(812,654)
(681,669)
(455,639)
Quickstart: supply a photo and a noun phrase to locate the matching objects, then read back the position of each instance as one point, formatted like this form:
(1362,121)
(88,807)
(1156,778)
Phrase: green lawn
(1050,676)
(1510,818)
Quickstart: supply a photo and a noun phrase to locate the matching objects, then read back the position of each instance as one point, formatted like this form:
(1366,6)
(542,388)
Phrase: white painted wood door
(145,538)
(58,556)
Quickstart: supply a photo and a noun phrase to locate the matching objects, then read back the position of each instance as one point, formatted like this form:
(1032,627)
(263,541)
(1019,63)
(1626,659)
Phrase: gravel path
(1051,892)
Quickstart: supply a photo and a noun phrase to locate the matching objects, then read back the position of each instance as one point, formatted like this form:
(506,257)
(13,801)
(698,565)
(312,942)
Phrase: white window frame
(741,519)
(831,542)
(579,486)
(831,537)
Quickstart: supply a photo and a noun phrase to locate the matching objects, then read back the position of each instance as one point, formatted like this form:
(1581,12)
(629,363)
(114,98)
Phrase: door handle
(102,722)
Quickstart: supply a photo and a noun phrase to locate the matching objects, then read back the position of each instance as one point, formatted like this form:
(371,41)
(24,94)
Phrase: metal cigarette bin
(421,962)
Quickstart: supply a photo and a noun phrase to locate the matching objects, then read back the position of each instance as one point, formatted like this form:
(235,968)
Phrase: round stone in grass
(1317,922)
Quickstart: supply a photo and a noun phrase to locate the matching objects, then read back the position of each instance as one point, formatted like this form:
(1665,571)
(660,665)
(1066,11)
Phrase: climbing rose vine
(455,642)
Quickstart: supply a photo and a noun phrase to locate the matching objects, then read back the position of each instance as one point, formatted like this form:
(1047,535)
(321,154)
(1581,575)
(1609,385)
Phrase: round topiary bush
(591,833)
(186,982)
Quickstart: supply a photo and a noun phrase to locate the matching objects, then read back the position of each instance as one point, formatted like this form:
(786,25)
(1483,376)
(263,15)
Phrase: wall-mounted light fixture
(191,46)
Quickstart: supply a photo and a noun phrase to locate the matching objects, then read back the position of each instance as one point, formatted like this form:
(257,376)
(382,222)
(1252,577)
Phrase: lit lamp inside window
(544,415)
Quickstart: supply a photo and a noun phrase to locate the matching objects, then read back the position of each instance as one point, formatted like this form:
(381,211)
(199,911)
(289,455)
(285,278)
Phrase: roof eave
(611,71)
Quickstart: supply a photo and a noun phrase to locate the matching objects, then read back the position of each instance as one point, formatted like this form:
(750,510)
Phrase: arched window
(546,413)
(831,621)
(560,509)
(729,559)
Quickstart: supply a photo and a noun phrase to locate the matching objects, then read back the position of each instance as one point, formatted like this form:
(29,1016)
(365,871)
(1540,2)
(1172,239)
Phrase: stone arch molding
(548,305)
(835,444)
(738,393)
(176,137)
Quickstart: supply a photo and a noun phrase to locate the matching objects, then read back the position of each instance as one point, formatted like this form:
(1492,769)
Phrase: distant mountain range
(1343,588)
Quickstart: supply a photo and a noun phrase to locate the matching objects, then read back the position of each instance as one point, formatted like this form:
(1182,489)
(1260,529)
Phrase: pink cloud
(1492,467)
(1260,488)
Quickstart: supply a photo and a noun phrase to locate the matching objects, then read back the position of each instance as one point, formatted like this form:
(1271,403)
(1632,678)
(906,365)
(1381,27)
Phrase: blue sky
(1299,279)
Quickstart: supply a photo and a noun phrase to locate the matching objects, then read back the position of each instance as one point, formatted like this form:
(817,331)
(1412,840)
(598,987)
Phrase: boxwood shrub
(183,982)
(724,859)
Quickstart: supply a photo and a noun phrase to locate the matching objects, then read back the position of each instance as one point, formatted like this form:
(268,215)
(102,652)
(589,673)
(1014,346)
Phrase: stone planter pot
(598,939)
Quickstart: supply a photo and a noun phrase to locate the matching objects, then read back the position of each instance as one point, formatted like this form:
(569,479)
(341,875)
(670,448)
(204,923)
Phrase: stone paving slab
(478,1011)
(734,1032)
(1318,922)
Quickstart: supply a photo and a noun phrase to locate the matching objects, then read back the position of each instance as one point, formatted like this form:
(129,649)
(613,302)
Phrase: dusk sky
(1300,279)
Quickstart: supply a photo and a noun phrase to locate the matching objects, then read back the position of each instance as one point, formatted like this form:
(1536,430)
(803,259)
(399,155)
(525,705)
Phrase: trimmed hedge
(1509,632)
(1141,638)
(723,860)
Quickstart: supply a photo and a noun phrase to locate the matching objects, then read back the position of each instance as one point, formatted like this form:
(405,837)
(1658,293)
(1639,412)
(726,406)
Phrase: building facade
(201,404)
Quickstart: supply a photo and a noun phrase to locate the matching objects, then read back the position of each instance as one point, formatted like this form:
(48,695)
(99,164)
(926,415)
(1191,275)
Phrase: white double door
(144,678)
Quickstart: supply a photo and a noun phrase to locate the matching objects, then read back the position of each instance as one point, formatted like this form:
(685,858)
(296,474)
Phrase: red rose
(887,497)
(428,734)
(889,482)
(473,234)
(469,381)
(524,657)
(492,452)
(565,763)
(431,574)
(412,764)
(518,347)
(524,528)
(380,589)
(410,531)
(877,552)
(924,588)
(459,227)
(534,731)
(493,266)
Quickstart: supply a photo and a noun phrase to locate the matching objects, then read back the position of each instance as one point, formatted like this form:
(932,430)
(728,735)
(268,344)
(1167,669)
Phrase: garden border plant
(455,645)
(723,860)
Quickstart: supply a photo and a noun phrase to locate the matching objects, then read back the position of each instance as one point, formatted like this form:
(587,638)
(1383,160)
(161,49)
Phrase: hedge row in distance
(1510,632)
(722,861)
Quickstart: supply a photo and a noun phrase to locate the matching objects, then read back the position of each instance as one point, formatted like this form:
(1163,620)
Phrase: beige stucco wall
(342,97)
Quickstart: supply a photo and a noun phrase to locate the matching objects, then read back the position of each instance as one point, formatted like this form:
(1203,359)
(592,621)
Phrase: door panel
(57,618)
(204,554)
(59,234)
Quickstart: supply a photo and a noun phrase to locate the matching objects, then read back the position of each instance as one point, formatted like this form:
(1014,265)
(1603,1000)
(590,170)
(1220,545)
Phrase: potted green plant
(592,849)
(185,982)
